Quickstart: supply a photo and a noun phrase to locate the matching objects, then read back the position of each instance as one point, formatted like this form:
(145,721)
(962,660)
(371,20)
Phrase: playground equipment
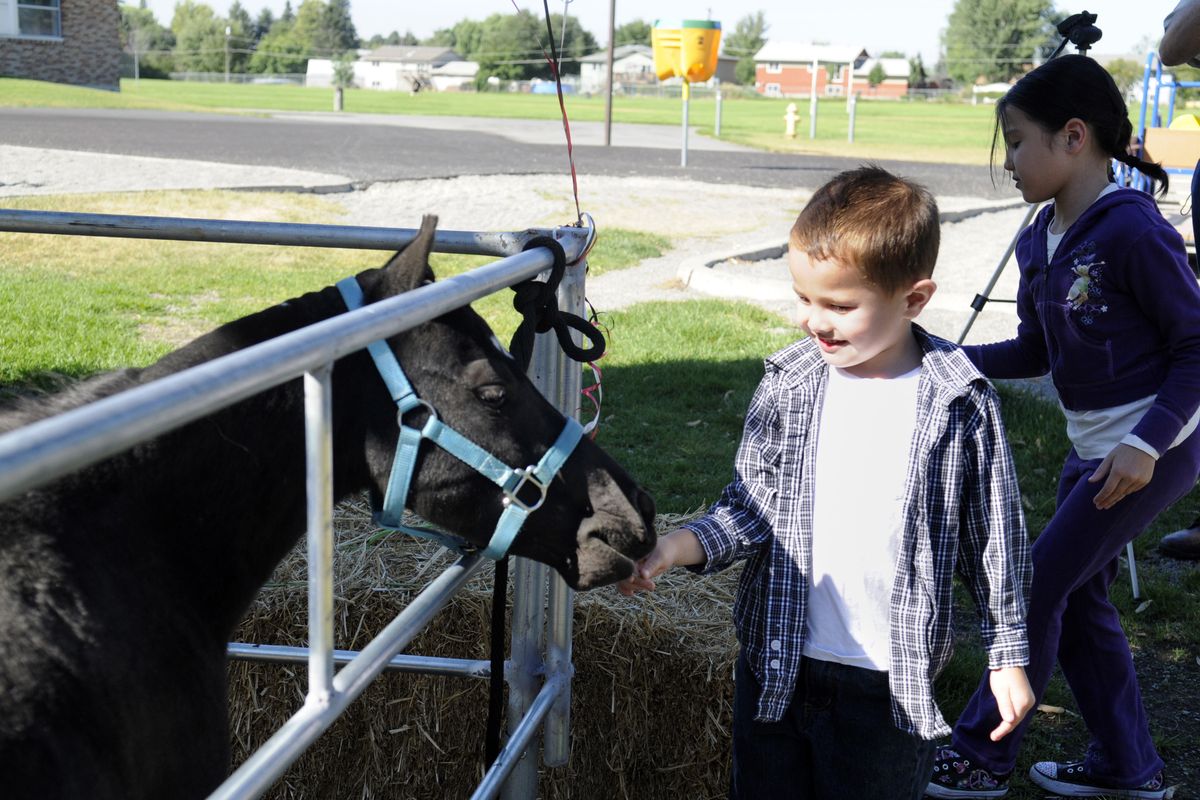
(1175,145)
(688,50)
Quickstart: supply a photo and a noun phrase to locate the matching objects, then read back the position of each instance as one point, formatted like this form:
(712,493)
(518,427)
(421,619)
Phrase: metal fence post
(318,441)
(557,733)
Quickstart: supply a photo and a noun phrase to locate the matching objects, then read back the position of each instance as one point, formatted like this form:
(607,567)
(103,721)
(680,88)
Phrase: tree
(199,38)
(241,35)
(465,38)
(633,32)
(146,41)
(343,70)
(995,40)
(337,29)
(263,24)
(281,50)
(511,45)
(747,38)
(394,38)
(917,76)
(876,76)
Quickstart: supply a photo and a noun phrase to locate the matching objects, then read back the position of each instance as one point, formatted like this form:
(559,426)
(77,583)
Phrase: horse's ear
(410,268)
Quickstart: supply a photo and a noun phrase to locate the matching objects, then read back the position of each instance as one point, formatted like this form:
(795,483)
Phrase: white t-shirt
(862,464)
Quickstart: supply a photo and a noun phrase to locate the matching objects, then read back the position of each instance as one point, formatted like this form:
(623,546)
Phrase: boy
(872,462)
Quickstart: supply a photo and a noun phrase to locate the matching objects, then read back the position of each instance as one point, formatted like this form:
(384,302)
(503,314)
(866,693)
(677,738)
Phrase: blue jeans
(1071,620)
(835,741)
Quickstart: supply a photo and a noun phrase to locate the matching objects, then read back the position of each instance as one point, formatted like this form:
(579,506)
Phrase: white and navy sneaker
(1072,780)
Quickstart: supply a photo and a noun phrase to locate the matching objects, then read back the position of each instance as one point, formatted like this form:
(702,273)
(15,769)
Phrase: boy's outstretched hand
(679,547)
(1014,699)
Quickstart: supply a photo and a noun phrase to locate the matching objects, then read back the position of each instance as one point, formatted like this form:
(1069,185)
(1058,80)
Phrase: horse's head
(595,521)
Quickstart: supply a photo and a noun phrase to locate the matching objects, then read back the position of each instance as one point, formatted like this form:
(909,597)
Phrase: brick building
(65,41)
(785,69)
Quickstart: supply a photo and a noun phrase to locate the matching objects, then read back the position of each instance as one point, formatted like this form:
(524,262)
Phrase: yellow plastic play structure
(686,49)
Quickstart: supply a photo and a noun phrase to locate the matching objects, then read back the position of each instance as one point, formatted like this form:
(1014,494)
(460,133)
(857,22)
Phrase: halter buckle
(525,477)
(401,413)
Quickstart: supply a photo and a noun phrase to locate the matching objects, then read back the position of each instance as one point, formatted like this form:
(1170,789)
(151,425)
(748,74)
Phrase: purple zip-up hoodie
(1115,316)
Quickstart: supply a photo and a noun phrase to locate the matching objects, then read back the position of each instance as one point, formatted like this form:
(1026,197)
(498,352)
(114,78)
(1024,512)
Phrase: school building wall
(87,53)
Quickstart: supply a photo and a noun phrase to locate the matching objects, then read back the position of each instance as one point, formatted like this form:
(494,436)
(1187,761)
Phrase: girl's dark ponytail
(1122,151)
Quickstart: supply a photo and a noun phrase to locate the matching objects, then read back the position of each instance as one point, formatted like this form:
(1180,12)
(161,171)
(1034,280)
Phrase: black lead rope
(538,304)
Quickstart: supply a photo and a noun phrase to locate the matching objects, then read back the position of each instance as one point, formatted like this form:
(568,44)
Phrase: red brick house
(65,41)
(785,69)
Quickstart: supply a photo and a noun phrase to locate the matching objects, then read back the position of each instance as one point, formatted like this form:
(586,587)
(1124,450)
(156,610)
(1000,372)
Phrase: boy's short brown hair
(885,226)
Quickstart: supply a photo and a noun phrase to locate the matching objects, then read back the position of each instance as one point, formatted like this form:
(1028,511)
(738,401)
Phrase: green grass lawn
(75,305)
(918,130)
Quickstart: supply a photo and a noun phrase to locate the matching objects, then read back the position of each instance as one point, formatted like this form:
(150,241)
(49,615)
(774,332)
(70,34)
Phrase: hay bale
(651,696)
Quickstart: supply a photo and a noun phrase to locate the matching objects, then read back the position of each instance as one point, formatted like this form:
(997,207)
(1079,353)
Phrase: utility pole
(612,28)
(228,30)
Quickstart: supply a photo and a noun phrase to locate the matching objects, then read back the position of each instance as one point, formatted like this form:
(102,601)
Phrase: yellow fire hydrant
(790,117)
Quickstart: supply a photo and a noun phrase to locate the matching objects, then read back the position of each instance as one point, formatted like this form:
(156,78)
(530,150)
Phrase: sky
(877,25)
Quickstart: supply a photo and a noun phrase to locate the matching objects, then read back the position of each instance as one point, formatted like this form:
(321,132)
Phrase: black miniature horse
(121,584)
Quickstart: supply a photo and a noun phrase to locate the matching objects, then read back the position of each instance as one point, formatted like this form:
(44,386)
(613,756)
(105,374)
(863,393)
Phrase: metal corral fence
(541,622)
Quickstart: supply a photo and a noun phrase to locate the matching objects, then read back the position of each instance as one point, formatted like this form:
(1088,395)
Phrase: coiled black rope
(537,303)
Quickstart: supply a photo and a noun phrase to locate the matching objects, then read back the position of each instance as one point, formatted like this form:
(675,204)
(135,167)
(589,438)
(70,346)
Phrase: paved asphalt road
(369,150)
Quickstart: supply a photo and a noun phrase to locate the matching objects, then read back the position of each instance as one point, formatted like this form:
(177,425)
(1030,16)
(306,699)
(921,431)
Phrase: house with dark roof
(632,64)
(65,41)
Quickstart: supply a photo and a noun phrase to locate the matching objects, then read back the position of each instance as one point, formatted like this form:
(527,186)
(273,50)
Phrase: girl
(1109,307)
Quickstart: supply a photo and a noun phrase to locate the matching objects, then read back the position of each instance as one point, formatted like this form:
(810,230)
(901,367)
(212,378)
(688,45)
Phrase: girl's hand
(1127,469)
(1014,699)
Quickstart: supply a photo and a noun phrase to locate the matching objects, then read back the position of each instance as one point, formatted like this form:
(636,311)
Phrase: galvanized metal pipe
(318,447)
(425,665)
(270,761)
(529,603)
(187,229)
(519,741)
(556,738)
(50,448)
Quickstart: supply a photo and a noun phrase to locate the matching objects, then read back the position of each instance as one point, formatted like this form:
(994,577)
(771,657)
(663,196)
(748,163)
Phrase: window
(774,68)
(773,90)
(33,18)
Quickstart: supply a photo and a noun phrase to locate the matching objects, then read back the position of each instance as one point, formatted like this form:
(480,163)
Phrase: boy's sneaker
(955,776)
(1071,780)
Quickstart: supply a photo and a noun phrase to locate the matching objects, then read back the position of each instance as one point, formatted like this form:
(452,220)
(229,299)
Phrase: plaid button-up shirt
(961,509)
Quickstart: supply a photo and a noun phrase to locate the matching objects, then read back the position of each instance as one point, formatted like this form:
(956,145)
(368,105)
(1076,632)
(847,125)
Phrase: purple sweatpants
(1071,619)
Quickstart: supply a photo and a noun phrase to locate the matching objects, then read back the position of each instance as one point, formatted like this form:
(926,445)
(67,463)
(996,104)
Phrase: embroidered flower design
(1085,294)
(1077,295)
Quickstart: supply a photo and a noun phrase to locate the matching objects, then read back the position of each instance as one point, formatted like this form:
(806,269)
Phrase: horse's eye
(491,394)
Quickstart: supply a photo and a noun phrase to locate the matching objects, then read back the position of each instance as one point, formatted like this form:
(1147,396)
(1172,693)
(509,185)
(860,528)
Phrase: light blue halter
(510,480)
